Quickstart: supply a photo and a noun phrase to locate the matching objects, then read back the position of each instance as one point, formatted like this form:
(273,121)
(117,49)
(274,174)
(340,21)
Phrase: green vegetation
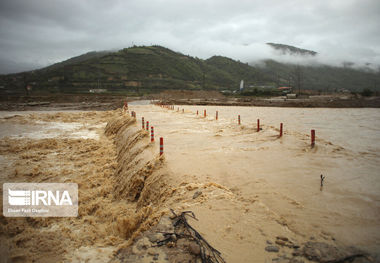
(149,69)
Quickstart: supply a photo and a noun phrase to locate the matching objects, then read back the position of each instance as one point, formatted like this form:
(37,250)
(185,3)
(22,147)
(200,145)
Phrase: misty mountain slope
(238,71)
(322,77)
(153,68)
(291,50)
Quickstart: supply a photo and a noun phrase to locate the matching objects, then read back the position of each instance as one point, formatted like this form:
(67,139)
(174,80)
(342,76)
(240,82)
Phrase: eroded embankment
(140,176)
(121,186)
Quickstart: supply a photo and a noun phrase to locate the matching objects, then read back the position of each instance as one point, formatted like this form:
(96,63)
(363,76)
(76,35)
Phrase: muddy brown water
(254,185)
(284,172)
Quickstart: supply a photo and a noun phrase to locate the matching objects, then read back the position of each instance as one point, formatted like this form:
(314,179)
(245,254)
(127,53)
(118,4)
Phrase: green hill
(146,69)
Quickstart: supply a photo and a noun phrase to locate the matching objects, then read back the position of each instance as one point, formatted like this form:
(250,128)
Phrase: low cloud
(34,34)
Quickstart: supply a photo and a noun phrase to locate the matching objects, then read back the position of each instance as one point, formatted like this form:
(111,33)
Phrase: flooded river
(284,173)
(251,186)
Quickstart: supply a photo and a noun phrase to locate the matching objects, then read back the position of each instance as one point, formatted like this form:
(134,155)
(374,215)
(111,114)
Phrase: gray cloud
(37,33)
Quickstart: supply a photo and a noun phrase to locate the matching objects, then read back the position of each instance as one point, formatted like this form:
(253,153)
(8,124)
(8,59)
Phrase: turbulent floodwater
(252,186)
(254,163)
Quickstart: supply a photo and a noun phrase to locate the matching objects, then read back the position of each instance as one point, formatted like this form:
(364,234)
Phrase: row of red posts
(145,125)
(171,107)
(281,129)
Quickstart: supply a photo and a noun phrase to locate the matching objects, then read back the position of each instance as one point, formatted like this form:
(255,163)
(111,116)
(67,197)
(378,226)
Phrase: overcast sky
(36,33)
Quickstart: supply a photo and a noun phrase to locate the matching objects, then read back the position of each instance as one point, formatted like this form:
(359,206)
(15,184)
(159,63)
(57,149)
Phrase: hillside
(78,59)
(291,50)
(323,78)
(146,69)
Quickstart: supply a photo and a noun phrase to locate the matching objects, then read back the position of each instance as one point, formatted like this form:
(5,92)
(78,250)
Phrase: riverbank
(110,102)
(309,102)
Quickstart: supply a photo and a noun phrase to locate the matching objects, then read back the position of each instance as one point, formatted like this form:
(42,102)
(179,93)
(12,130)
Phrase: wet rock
(155,237)
(282,238)
(322,252)
(290,244)
(272,249)
(197,193)
(194,248)
(280,242)
(296,246)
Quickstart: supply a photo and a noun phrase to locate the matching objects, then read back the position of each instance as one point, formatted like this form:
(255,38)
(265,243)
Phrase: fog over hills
(153,68)
(35,34)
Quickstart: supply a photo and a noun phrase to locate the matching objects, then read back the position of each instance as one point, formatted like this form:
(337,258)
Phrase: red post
(280,129)
(161,146)
(204,113)
(258,125)
(239,119)
(197,112)
(216,115)
(312,138)
(147,126)
(142,122)
(151,134)
(183,110)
